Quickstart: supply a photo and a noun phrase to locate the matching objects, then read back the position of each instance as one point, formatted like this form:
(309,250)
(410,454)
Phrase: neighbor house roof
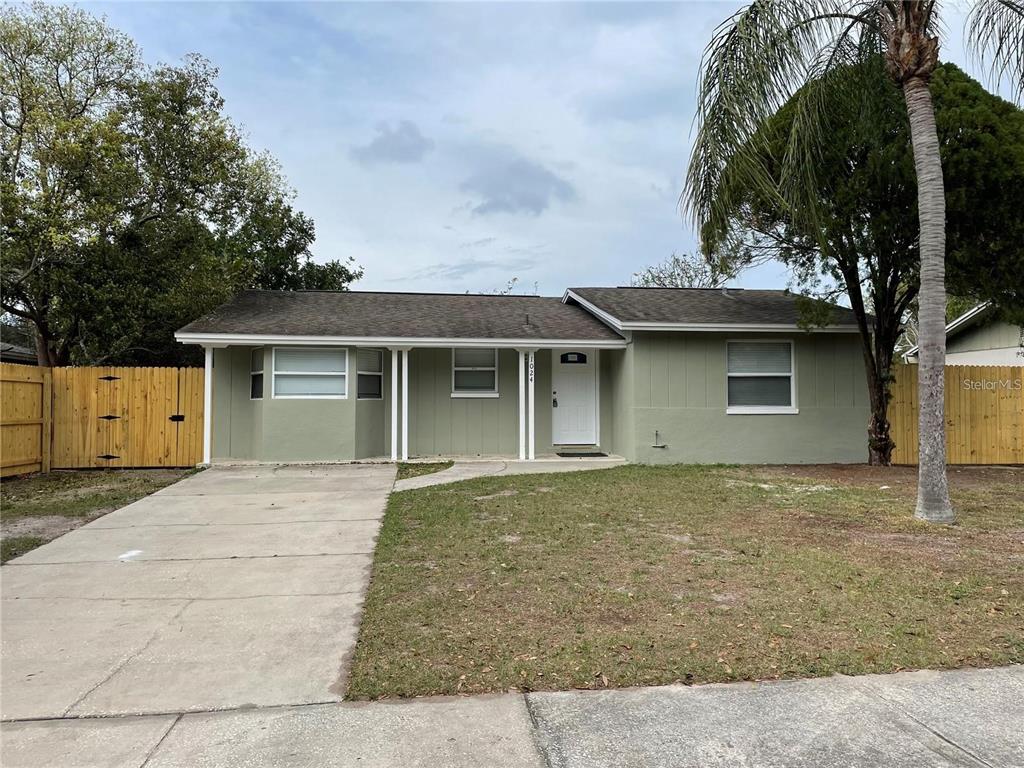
(972,317)
(363,317)
(17,353)
(630,309)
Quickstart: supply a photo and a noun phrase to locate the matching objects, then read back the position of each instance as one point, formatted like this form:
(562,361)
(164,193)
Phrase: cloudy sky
(451,147)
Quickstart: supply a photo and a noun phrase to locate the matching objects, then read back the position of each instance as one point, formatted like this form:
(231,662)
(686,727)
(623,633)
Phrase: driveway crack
(974,759)
(130,657)
(535,732)
(152,752)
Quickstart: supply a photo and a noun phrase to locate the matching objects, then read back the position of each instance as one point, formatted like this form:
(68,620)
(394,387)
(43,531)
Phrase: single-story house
(654,375)
(980,337)
(15,353)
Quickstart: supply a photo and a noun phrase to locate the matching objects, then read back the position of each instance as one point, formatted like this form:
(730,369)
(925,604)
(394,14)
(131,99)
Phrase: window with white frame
(310,372)
(370,374)
(760,375)
(474,372)
(256,374)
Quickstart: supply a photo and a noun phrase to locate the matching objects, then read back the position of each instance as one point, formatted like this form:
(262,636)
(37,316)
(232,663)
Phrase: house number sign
(531,366)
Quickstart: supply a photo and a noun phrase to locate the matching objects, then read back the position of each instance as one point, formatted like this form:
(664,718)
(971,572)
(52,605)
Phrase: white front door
(574,397)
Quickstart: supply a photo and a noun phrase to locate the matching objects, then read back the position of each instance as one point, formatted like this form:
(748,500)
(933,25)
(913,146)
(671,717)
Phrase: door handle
(554,402)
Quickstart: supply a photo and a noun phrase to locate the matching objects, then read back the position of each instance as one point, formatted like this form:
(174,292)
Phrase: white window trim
(262,372)
(733,410)
(379,373)
(274,373)
(481,393)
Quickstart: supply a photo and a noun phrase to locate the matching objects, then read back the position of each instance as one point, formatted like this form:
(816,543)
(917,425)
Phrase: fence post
(46,432)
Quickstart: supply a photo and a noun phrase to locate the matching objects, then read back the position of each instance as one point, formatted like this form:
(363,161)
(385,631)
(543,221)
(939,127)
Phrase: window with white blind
(256,374)
(474,372)
(370,374)
(310,372)
(760,377)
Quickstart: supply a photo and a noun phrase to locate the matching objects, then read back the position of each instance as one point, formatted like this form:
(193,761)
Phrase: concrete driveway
(236,587)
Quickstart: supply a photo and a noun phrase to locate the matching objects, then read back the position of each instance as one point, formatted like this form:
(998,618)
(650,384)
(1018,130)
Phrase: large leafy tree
(130,203)
(864,242)
(772,49)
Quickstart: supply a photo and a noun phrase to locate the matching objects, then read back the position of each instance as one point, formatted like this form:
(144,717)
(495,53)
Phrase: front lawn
(39,508)
(650,575)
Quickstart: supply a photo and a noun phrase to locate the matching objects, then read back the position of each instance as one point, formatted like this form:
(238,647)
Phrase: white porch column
(394,405)
(208,406)
(522,404)
(405,405)
(531,375)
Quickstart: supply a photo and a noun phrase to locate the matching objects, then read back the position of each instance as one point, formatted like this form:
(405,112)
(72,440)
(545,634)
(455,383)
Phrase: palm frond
(843,85)
(995,34)
(755,62)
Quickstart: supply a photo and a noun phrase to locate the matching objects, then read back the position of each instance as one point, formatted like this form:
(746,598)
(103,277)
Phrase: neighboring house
(654,375)
(13,353)
(979,337)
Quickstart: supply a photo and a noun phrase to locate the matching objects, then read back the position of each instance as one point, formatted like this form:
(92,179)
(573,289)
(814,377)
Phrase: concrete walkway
(233,588)
(962,719)
(467,470)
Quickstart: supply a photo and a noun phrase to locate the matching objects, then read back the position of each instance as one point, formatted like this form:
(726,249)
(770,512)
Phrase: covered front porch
(505,402)
(327,403)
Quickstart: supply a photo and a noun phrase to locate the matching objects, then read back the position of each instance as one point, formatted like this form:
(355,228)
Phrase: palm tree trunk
(932,489)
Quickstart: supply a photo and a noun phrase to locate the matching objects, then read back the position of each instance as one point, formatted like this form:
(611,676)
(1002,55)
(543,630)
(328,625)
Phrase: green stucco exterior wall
(679,389)
(672,383)
(288,429)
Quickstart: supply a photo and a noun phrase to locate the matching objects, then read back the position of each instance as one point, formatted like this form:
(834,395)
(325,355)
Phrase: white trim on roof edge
(226,339)
(621,326)
(970,314)
(593,309)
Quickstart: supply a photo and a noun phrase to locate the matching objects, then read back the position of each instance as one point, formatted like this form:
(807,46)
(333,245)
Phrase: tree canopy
(866,202)
(861,238)
(131,203)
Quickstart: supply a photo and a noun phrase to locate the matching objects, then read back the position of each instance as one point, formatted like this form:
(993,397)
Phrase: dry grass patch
(648,575)
(39,508)
(417,468)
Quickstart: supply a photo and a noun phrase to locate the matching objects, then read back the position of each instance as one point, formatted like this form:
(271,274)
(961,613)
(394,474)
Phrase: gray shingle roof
(362,314)
(16,352)
(703,306)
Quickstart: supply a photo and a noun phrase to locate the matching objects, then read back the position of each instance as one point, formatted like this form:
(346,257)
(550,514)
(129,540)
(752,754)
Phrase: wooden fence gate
(127,417)
(984,414)
(24,419)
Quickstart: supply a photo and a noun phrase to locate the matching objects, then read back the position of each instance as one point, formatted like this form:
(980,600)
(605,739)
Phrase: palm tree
(773,50)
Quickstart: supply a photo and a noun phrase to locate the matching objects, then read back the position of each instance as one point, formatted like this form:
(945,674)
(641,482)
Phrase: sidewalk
(957,718)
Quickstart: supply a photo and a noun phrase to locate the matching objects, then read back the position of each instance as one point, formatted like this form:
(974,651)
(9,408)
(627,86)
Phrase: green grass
(650,575)
(37,508)
(16,546)
(415,469)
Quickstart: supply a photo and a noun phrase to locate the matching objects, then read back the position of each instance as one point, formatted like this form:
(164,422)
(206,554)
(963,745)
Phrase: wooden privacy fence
(24,419)
(127,417)
(114,417)
(984,414)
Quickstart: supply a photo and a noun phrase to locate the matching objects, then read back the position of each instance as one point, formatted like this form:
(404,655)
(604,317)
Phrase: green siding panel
(992,335)
(674,383)
(680,391)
